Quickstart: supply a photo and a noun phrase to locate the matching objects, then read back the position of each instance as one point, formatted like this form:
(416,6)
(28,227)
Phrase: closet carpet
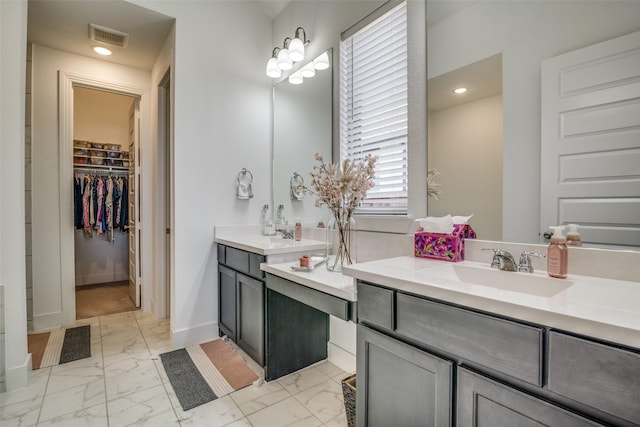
(103,299)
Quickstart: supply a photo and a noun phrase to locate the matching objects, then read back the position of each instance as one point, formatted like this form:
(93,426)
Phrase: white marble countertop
(607,309)
(269,245)
(320,278)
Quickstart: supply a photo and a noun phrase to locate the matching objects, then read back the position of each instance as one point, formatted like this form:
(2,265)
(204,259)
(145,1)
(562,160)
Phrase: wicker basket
(349,392)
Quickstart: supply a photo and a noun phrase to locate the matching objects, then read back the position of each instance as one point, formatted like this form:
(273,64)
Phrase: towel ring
(243,184)
(296,185)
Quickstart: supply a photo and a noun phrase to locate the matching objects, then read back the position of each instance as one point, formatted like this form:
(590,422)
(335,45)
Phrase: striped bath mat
(202,373)
(59,346)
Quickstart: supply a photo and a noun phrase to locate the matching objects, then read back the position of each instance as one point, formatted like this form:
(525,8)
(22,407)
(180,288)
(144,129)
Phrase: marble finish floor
(123,383)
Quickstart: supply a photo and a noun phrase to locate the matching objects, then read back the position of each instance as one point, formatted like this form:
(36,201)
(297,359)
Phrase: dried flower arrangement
(432,190)
(341,187)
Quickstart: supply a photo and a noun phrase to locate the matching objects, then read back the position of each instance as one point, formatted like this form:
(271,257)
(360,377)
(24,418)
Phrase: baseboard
(52,320)
(341,357)
(195,335)
(18,376)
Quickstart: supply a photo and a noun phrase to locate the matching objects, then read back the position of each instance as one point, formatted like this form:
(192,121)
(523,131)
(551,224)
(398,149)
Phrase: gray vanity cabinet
(482,402)
(507,372)
(241,292)
(399,385)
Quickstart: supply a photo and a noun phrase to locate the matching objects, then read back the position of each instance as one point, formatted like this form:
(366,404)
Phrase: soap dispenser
(557,254)
(573,237)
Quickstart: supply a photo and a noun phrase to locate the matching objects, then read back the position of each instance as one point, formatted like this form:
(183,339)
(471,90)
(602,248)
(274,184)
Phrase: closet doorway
(106,214)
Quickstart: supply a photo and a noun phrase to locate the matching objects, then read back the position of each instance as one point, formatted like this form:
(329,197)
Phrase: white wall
(525,33)
(222,123)
(13,44)
(53,284)
(471,177)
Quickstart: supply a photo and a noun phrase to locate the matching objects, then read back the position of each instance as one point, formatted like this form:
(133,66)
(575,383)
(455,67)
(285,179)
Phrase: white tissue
(433,224)
(461,219)
(441,224)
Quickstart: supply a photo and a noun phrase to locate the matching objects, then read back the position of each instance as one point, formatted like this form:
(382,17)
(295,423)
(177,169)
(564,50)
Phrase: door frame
(67,80)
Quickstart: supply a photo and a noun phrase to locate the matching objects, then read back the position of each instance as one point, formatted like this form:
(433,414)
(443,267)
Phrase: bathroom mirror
(507,40)
(302,126)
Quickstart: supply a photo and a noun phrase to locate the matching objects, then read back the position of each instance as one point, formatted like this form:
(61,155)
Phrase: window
(373,107)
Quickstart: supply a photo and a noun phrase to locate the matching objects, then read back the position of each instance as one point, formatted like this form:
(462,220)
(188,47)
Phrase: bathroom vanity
(241,284)
(443,344)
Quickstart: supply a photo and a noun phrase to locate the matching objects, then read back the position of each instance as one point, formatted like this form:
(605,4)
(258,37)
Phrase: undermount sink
(525,283)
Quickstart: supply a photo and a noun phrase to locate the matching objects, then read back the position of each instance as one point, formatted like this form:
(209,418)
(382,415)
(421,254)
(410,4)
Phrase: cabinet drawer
(602,376)
(375,305)
(508,347)
(483,402)
(237,259)
(221,253)
(254,265)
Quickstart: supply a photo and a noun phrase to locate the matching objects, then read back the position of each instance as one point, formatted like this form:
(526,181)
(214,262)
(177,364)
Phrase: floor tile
(72,399)
(219,412)
(165,419)
(137,407)
(288,412)
(254,398)
(94,416)
(144,376)
(21,414)
(324,400)
(34,392)
(299,381)
(64,378)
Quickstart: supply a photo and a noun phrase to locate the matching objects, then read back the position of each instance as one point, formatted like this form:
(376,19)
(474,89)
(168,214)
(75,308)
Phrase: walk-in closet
(104,195)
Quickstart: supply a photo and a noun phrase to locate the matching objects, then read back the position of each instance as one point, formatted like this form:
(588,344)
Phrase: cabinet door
(483,402)
(227,313)
(251,316)
(399,385)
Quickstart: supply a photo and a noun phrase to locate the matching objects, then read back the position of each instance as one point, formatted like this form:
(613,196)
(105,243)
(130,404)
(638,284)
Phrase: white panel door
(135,232)
(591,141)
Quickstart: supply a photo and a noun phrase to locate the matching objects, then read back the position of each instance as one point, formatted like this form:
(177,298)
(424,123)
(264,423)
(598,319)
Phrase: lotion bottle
(298,230)
(557,254)
(573,237)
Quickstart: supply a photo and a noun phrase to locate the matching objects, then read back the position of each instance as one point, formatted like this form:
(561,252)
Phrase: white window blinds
(373,107)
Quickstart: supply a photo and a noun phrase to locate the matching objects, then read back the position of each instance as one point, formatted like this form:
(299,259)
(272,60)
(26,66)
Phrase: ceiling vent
(108,36)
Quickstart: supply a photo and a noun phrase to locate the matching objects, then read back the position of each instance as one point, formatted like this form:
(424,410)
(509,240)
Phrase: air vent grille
(108,36)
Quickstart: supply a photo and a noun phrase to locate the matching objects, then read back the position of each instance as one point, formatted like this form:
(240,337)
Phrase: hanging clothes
(100,204)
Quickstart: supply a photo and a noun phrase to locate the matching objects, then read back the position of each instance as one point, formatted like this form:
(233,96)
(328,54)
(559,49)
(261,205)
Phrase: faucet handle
(495,262)
(525,261)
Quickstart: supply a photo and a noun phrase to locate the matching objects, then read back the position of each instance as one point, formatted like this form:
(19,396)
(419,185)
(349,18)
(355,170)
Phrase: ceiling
(64,25)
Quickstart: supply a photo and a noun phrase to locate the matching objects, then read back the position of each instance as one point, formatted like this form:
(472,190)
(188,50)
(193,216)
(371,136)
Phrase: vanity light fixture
(296,78)
(308,70)
(321,62)
(272,65)
(460,90)
(284,62)
(101,50)
(292,50)
(296,46)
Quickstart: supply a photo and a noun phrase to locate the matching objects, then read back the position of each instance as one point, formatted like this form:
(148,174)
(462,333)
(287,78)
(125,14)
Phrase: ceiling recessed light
(460,90)
(101,50)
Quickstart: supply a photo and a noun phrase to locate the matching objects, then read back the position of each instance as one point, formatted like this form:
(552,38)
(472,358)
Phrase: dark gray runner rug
(191,388)
(76,344)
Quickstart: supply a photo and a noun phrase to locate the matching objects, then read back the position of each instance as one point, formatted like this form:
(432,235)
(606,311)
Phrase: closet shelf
(106,168)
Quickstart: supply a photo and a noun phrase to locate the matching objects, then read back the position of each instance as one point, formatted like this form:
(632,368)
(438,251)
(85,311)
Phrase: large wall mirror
(302,127)
(488,147)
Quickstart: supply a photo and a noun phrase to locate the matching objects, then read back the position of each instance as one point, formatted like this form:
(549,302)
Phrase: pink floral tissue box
(447,247)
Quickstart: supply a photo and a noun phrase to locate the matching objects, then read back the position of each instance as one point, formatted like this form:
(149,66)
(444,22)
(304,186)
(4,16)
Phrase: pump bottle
(298,230)
(573,237)
(557,254)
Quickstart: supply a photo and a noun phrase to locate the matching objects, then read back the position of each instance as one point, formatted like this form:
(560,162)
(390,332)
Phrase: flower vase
(341,242)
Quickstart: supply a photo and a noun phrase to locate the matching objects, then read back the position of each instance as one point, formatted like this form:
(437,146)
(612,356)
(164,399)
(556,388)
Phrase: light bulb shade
(272,68)
(321,62)
(308,70)
(296,78)
(296,50)
(284,63)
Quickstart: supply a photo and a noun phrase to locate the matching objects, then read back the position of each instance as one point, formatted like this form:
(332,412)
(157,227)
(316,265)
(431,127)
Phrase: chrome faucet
(287,233)
(502,260)
(525,261)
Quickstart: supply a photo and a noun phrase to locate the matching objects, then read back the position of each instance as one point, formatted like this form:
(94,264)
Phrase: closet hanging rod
(107,172)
